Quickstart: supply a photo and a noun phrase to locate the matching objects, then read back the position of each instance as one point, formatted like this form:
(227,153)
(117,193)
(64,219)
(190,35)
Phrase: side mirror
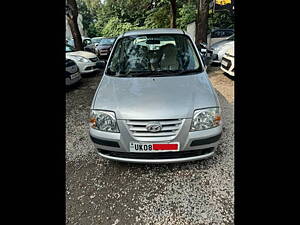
(96,44)
(203,45)
(203,50)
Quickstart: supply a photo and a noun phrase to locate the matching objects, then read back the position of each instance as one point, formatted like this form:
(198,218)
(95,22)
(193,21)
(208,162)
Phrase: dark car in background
(104,48)
(92,46)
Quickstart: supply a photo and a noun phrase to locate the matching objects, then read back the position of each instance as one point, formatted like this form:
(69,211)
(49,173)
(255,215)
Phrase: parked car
(202,48)
(85,40)
(72,73)
(104,47)
(86,61)
(219,35)
(155,103)
(227,64)
(217,50)
(91,47)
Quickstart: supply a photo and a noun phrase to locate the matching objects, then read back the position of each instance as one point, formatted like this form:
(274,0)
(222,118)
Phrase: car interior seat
(169,60)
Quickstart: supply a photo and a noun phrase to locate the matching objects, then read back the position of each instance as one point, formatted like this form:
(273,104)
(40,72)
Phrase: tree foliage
(112,17)
(221,19)
(187,14)
(115,27)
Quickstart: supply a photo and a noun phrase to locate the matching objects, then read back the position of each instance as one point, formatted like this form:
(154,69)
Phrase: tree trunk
(72,15)
(173,13)
(202,21)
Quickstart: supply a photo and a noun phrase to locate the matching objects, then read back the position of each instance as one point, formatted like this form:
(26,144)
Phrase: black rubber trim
(158,155)
(104,142)
(206,141)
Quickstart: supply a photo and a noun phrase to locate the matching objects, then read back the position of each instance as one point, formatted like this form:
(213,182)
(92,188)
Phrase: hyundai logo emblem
(154,127)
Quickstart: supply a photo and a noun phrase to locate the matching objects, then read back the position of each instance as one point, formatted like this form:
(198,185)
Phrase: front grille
(94,59)
(89,68)
(158,155)
(170,128)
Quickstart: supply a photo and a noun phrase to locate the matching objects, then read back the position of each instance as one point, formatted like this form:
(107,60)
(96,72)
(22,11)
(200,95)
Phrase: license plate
(153,147)
(224,63)
(73,76)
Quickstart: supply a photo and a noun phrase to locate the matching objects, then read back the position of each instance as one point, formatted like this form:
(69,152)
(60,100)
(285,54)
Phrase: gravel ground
(99,191)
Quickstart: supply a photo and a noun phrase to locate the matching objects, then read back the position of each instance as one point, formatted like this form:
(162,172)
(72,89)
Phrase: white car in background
(218,49)
(87,62)
(227,64)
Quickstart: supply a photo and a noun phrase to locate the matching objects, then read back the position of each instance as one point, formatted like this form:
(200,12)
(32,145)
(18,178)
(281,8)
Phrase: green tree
(222,19)
(88,17)
(156,18)
(187,14)
(72,15)
(115,27)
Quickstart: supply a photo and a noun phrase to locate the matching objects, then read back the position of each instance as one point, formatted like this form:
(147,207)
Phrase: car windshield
(71,42)
(69,48)
(96,40)
(107,41)
(153,55)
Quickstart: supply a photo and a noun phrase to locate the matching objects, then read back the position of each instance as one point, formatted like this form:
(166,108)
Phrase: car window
(71,42)
(96,40)
(69,48)
(107,41)
(228,33)
(87,42)
(153,54)
(222,33)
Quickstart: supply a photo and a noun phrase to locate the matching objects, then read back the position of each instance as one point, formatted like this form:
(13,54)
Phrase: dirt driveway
(99,191)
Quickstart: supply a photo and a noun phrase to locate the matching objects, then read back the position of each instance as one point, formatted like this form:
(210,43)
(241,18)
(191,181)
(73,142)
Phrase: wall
(191,30)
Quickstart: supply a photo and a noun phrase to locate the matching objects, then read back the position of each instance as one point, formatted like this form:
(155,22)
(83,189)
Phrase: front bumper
(89,67)
(69,81)
(229,68)
(193,145)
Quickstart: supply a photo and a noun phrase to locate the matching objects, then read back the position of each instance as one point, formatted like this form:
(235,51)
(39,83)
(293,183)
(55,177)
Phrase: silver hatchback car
(155,103)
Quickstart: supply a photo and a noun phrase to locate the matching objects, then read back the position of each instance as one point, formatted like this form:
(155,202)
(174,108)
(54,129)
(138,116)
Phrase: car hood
(220,44)
(155,97)
(90,46)
(82,53)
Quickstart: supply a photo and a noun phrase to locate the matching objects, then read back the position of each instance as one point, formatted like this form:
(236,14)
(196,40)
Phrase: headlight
(104,121)
(216,49)
(81,59)
(205,119)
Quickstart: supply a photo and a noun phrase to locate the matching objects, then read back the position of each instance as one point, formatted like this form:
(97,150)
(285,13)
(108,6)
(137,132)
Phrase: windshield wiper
(155,73)
(135,74)
(175,72)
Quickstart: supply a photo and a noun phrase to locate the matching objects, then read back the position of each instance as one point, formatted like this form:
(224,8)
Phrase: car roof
(153,31)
